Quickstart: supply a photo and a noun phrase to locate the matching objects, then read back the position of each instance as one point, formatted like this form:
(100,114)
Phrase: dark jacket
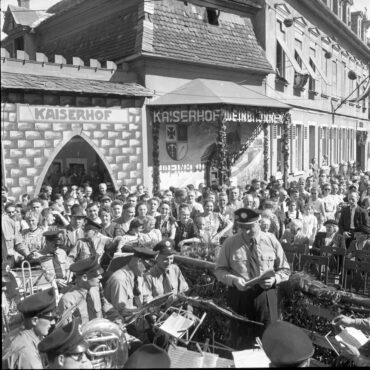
(361,220)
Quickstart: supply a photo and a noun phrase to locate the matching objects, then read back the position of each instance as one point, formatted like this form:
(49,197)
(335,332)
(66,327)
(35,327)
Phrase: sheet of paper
(352,336)
(182,358)
(176,325)
(251,358)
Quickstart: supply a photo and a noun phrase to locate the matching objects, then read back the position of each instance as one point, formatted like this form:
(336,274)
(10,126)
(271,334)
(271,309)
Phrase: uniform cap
(77,211)
(331,222)
(135,223)
(148,356)
(165,246)
(39,304)
(65,340)
(246,216)
(92,225)
(286,344)
(144,253)
(88,266)
(105,197)
(52,234)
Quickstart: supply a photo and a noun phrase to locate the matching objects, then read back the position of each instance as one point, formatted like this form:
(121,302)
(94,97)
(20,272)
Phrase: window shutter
(274,131)
(290,133)
(294,132)
(306,133)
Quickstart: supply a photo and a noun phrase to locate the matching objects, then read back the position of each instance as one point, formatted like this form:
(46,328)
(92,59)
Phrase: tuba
(107,344)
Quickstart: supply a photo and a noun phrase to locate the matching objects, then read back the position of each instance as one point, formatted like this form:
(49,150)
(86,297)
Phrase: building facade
(68,120)
(283,49)
(321,58)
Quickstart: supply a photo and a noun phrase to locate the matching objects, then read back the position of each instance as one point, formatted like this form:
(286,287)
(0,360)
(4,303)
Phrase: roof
(27,17)
(182,32)
(108,38)
(17,81)
(64,5)
(201,91)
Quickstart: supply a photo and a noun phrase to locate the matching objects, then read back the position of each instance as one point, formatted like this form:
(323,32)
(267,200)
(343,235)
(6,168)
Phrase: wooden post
(266,158)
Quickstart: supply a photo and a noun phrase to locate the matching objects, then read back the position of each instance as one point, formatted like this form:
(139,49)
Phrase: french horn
(107,344)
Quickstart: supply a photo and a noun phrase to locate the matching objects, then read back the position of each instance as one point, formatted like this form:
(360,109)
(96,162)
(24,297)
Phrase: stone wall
(29,148)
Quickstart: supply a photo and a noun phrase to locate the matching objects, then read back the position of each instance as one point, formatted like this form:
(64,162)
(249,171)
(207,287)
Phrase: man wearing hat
(86,291)
(39,315)
(57,265)
(126,288)
(94,243)
(165,276)
(245,256)
(148,356)
(65,348)
(75,230)
(287,345)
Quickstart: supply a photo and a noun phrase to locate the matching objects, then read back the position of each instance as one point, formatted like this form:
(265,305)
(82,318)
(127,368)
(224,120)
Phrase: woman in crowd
(165,222)
(33,236)
(329,238)
(316,202)
(110,229)
(142,211)
(216,225)
(329,202)
(309,223)
(48,219)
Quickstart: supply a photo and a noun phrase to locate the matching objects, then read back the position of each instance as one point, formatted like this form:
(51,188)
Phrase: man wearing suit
(353,219)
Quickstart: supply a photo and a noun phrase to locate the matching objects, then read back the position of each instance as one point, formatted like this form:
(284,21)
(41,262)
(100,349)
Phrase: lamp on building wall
(328,54)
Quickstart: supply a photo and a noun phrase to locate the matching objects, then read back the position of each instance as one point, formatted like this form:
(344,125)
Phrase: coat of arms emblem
(177,141)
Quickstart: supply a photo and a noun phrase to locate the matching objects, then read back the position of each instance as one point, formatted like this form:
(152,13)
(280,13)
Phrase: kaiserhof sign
(198,115)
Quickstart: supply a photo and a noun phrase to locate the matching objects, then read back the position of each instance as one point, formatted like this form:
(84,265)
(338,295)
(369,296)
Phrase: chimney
(24,3)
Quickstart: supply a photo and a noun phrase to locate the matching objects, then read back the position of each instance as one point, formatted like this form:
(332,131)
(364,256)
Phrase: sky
(45,4)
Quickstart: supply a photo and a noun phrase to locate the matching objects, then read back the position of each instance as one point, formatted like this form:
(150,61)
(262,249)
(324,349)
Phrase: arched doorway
(77,161)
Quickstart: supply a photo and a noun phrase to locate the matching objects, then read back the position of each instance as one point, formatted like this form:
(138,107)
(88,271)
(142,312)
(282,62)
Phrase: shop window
(212,16)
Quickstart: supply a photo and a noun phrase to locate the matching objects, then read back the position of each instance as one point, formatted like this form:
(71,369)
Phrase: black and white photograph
(185,183)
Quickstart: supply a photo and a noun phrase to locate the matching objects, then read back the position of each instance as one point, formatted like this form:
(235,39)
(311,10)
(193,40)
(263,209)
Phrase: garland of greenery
(156,176)
(286,126)
(221,149)
(266,159)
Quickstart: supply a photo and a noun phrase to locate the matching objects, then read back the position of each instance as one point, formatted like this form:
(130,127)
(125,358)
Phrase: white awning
(307,65)
(290,56)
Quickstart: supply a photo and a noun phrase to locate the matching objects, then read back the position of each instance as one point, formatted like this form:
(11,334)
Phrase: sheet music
(176,325)
(352,336)
(182,358)
(251,358)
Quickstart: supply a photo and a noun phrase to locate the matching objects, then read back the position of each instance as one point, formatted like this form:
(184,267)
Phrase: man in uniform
(127,290)
(165,276)
(245,256)
(83,295)
(39,315)
(287,345)
(65,348)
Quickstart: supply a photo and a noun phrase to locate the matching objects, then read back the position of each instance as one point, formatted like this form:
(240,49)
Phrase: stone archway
(66,139)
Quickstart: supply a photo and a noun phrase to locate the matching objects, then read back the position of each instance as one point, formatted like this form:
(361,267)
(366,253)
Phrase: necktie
(254,263)
(167,286)
(136,289)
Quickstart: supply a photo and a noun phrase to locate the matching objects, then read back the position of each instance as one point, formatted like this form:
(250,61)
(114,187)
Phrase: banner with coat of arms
(177,141)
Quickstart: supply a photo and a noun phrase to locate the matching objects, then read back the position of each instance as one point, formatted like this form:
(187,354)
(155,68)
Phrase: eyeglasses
(76,356)
(327,189)
(50,318)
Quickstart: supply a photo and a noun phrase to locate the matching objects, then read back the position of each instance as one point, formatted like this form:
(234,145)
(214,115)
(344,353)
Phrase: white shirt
(352,225)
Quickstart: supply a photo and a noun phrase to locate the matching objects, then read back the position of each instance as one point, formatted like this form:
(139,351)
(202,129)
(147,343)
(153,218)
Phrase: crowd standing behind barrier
(88,220)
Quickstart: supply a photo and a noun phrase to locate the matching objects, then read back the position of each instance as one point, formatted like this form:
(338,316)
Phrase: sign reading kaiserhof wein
(197,115)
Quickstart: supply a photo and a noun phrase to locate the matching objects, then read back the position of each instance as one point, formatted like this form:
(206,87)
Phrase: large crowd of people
(82,230)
